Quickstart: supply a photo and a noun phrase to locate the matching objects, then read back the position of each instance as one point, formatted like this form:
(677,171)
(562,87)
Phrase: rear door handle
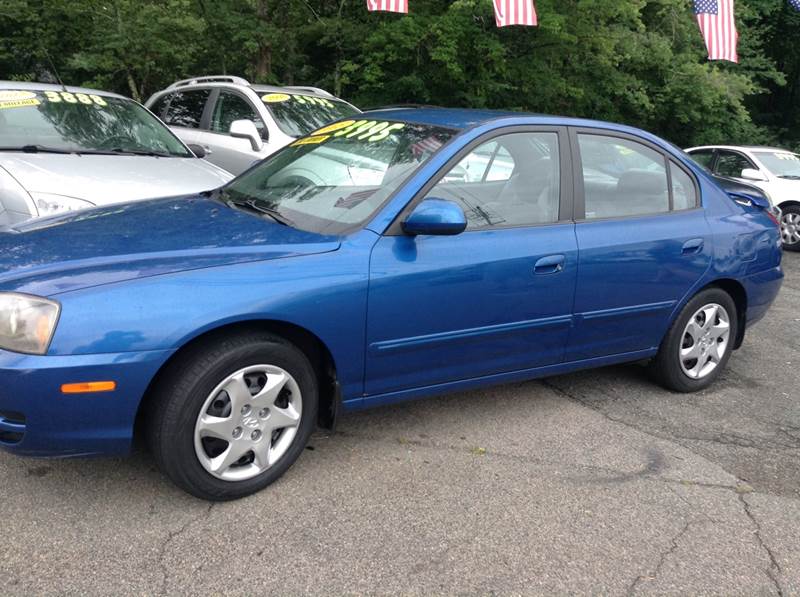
(549,265)
(690,247)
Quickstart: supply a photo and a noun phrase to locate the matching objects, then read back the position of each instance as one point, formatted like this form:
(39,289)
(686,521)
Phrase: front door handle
(551,264)
(690,247)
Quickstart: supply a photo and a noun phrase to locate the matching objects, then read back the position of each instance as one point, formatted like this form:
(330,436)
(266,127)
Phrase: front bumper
(36,419)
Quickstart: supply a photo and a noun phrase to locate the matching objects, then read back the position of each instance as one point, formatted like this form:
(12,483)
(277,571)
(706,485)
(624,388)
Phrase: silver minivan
(70,148)
(238,124)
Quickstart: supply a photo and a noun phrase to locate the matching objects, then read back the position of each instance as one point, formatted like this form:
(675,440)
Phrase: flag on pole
(795,4)
(388,5)
(718,26)
(515,12)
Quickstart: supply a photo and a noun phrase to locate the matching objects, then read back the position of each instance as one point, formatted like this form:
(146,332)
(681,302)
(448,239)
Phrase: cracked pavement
(595,482)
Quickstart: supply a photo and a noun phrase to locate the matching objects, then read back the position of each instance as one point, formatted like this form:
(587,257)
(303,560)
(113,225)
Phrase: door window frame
(579,201)
(718,154)
(212,105)
(565,202)
(205,117)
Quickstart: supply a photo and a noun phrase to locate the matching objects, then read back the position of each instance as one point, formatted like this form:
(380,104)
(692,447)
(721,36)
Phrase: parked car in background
(229,324)
(775,171)
(239,124)
(69,148)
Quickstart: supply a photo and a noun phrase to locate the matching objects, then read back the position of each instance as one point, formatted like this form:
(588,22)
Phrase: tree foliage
(640,62)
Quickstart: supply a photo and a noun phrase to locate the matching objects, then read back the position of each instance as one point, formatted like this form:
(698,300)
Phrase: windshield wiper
(253,206)
(790,176)
(37,149)
(147,152)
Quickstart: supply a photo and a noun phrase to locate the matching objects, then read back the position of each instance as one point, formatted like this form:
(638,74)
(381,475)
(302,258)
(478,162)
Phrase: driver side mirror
(437,217)
(246,129)
(753,174)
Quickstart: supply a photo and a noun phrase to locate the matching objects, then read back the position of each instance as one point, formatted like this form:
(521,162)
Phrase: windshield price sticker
(370,130)
(315,140)
(331,128)
(17,99)
(787,156)
(279,98)
(57,97)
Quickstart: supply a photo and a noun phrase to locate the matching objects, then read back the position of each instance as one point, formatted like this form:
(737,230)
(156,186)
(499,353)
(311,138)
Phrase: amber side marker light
(89,387)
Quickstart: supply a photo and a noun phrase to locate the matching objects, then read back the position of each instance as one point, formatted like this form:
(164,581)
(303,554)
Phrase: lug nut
(263,413)
(237,433)
(246,410)
(256,435)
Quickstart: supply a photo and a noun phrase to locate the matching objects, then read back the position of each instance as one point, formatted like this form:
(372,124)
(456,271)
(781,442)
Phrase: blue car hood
(142,239)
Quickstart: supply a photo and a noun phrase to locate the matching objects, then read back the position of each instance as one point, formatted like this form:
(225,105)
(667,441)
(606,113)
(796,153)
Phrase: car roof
(26,86)
(465,118)
(740,148)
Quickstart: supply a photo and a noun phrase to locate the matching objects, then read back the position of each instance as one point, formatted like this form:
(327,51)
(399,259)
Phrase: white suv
(775,171)
(238,124)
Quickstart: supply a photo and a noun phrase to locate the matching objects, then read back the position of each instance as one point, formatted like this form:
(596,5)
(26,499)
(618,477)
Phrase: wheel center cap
(250,422)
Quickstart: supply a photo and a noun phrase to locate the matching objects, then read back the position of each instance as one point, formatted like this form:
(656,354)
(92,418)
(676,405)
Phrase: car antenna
(55,71)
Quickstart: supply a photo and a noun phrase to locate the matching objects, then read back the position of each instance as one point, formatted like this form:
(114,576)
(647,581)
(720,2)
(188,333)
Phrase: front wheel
(790,227)
(698,344)
(232,416)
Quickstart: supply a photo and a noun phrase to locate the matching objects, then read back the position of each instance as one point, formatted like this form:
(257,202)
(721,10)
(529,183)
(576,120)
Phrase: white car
(775,171)
(70,148)
(239,124)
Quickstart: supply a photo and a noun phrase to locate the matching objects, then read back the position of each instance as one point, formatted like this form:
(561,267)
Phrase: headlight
(49,204)
(27,322)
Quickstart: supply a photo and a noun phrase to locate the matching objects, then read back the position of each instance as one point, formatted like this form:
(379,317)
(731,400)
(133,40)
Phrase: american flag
(425,147)
(795,4)
(388,5)
(718,25)
(515,12)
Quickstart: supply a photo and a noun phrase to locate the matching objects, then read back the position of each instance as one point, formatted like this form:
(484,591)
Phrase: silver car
(238,124)
(69,148)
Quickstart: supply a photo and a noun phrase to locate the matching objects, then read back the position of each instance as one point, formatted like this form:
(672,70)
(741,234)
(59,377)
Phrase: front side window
(512,180)
(622,177)
(782,164)
(186,108)
(704,157)
(82,123)
(337,178)
(231,107)
(298,115)
(731,164)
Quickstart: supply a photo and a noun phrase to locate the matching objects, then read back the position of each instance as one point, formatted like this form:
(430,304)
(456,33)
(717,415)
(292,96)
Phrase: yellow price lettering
(52,96)
(98,100)
(386,132)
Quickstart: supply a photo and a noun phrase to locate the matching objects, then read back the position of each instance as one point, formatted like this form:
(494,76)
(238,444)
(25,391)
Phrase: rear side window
(684,195)
(160,105)
(186,108)
(622,178)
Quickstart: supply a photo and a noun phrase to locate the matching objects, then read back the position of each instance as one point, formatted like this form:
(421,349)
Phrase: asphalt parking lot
(597,482)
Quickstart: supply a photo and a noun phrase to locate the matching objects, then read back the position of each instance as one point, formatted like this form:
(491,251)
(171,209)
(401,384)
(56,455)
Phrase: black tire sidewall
(191,389)
(667,366)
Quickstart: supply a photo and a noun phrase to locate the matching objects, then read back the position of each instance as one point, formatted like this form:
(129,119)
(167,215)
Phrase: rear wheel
(699,343)
(790,227)
(231,417)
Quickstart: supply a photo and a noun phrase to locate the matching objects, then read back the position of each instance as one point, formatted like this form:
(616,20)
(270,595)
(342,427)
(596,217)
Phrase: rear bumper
(36,419)
(761,288)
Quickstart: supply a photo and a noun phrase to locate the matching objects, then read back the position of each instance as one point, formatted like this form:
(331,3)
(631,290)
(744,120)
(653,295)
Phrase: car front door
(495,298)
(231,153)
(643,241)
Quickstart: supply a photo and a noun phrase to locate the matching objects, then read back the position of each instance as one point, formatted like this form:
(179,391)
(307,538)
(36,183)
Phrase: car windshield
(298,115)
(67,122)
(337,178)
(781,163)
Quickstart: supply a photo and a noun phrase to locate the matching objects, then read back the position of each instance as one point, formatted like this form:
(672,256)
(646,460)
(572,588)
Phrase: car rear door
(495,298)
(643,242)
(185,111)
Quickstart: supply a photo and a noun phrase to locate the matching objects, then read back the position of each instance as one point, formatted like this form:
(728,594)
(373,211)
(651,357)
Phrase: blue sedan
(405,253)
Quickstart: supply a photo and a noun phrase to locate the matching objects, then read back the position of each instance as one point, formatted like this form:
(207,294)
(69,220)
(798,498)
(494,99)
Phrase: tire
(222,380)
(790,227)
(675,366)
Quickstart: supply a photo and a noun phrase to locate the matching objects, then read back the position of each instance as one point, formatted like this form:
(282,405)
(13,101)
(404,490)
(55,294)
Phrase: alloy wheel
(790,228)
(705,341)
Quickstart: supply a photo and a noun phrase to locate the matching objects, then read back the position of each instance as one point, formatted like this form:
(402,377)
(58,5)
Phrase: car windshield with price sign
(337,177)
(66,122)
